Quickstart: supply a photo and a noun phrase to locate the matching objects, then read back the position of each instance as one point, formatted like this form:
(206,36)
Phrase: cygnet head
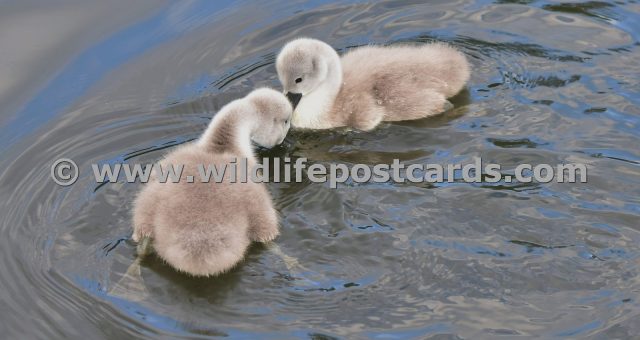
(273,116)
(304,65)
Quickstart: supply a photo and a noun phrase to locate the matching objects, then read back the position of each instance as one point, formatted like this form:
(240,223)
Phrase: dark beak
(294,98)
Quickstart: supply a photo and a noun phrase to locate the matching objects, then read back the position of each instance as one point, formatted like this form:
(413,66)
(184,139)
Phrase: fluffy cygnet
(205,228)
(368,84)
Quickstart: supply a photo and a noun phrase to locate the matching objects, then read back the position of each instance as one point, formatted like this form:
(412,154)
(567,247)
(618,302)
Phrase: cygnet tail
(458,71)
(205,254)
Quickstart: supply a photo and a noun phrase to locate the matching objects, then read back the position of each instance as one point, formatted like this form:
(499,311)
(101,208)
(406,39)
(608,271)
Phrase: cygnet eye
(298,80)
(286,121)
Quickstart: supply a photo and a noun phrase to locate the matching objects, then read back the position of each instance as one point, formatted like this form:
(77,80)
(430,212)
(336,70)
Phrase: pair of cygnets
(204,229)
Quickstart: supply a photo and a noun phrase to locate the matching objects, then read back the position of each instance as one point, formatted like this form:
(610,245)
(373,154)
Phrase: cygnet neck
(314,106)
(230,131)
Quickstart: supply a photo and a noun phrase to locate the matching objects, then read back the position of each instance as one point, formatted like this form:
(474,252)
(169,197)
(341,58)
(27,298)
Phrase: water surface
(105,82)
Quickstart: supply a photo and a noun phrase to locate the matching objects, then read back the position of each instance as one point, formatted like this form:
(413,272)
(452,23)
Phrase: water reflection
(552,83)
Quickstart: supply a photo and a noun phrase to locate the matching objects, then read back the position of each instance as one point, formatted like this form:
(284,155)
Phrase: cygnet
(204,229)
(368,84)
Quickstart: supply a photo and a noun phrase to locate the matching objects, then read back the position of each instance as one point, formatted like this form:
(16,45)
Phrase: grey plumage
(369,84)
(205,228)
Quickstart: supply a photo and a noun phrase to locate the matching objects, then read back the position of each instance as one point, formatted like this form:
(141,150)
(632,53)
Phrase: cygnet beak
(294,98)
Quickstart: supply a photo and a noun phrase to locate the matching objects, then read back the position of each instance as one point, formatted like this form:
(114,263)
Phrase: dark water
(107,81)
